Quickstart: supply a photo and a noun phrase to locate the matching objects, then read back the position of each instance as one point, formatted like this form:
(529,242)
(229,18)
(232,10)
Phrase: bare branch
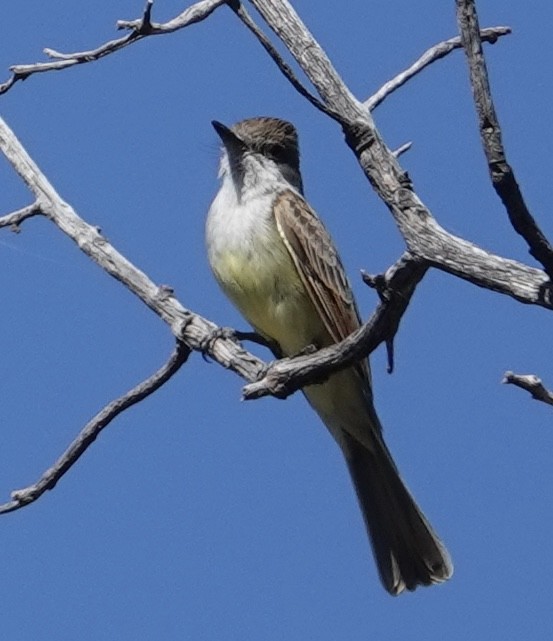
(198,333)
(185,325)
(501,173)
(402,149)
(428,243)
(423,235)
(139,29)
(245,17)
(283,20)
(14,219)
(195,13)
(530,383)
(195,331)
(396,288)
(436,52)
(457,256)
(91,431)
(377,160)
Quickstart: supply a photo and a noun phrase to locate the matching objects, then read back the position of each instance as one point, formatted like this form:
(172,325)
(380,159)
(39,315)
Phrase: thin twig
(195,13)
(402,149)
(501,173)
(436,52)
(530,383)
(139,29)
(91,431)
(17,217)
(245,17)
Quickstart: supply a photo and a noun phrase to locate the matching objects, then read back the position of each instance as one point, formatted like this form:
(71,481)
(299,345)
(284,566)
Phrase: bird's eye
(276,153)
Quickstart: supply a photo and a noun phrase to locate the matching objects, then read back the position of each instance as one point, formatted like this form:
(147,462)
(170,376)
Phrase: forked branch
(428,244)
(423,235)
(431,55)
(138,29)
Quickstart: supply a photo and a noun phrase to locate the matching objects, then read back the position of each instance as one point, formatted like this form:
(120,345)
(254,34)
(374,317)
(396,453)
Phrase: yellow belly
(269,293)
(267,290)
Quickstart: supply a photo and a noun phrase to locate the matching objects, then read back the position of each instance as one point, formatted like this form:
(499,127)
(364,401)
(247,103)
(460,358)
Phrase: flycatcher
(276,262)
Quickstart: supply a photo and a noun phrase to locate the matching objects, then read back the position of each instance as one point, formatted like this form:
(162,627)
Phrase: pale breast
(254,268)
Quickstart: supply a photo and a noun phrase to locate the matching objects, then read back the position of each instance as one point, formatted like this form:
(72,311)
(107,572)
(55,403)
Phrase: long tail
(407,551)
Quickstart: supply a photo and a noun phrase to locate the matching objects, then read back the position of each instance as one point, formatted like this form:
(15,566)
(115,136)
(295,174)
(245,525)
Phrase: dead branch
(423,235)
(396,288)
(530,383)
(402,149)
(138,29)
(431,55)
(196,332)
(428,244)
(284,67)
(501,173)
(14,219)
(185,325)
(91,431)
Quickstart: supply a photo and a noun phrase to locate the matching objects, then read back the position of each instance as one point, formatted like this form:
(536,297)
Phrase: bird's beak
(228,137)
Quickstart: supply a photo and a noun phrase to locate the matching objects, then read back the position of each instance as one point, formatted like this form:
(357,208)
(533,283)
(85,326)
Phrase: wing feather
(318,264)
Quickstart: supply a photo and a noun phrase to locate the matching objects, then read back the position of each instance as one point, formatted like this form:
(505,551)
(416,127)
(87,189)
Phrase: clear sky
(197,516)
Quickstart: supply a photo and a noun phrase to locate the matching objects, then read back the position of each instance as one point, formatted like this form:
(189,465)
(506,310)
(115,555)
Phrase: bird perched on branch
(276,262)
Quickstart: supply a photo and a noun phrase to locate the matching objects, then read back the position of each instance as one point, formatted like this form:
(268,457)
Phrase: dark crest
(276,139)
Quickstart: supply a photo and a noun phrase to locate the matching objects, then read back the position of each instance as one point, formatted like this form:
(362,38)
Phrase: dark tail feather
(407,551)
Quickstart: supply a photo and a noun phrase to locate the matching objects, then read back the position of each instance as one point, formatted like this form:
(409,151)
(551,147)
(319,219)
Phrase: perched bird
(276,262)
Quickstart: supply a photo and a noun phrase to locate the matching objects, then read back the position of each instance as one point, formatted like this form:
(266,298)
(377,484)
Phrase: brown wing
(318,265)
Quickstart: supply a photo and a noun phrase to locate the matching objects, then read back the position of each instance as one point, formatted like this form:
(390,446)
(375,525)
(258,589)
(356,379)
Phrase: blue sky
(195,515)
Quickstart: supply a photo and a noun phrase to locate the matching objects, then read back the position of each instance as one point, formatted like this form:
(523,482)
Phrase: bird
(276,262)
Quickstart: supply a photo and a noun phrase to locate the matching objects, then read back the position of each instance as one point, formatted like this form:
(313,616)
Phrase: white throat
(259,177)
